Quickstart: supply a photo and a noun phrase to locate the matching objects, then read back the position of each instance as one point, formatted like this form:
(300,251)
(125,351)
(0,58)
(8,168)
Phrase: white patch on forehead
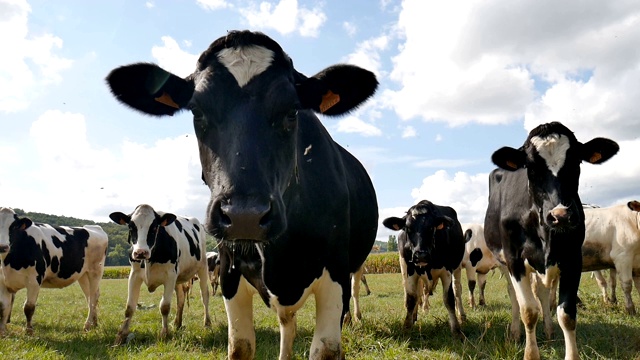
(246,62)
(418,211)
(553,149)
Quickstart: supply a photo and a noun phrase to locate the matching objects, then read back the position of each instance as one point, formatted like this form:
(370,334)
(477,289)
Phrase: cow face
(144,225)
(423,226)
(11,228)
(551,156)
(248,102)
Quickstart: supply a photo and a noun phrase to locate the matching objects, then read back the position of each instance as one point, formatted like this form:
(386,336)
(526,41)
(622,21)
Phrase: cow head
(423,226)
(144,225)
(12,228)
(247,102)
(552,156)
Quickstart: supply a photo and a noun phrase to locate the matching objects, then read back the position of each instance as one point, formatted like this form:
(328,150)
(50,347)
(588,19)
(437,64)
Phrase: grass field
(604,331)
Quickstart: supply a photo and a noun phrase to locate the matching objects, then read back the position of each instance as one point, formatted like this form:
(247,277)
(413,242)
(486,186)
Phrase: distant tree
(392,244)
(117,256)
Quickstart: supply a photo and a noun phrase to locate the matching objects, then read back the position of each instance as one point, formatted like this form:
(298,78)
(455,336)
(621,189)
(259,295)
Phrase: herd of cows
(285,196)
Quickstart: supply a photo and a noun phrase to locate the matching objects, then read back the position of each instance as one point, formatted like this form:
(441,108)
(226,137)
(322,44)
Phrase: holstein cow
(431,247)
(213,265)
(478,259)
(602,283)
(535,224)
(38,256)
(293,212)
(613,241)
(168,250)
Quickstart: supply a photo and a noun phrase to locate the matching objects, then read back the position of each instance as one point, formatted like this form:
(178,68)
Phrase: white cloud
(438,137)
(213,4)
(352,124)
(172,58)
(367,54)
(28,62)
(350,28)
(69,176)
(150,4)
(464,192)
(285,17)
(444,163)
(478,61)
(409,132)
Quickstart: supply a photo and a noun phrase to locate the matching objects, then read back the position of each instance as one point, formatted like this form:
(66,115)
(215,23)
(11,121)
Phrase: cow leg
(355,294)
(482,282)
(457,291)
(165,305)
(135,281)
(602,284)
(567,311)
(471,281)
(288,325)
(331,298)
(613,277)
(181,297)
(242,337)
(91,290)
(30,305)
(449,299)
(204,293)
(514,328)
(6,302)
(624,266)
(411,299)
(425,288)
(366,286)
(542,292)
(529,313)
(215,279)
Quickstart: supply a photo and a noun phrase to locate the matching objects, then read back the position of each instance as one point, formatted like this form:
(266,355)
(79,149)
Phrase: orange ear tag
(440,227)
(396,227)
(328,100)
(511,165)
(595,157)
(167,100)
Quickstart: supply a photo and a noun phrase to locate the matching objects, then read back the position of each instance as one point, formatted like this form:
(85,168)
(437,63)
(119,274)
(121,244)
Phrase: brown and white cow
(478,260)
(36,256)
(168,250)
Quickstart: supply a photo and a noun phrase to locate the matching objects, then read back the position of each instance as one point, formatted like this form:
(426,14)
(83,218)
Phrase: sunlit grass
(604,331)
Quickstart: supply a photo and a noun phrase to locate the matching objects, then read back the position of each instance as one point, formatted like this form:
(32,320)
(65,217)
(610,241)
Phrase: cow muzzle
(235,221)
(141,254)
(421,257)
(559,217)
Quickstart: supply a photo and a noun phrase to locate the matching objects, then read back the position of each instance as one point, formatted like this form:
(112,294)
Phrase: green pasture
(604,331)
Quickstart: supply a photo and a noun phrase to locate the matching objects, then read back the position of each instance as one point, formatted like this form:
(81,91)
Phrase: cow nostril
(266,218)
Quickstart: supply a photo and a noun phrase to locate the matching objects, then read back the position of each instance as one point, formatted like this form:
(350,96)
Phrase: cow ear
(599,150)
(150,89)
(119,218)
(509,158)
(634,205)
(336,90)
(394,223)
(24,223)
(167,219)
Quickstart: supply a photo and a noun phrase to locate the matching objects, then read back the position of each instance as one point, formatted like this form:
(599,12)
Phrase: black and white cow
(535,224)
(478,260)
(213,265)
(168,250)
(36,256)
(294,213)
(431,247)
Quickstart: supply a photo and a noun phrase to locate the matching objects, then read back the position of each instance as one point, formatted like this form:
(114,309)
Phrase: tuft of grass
(604,331)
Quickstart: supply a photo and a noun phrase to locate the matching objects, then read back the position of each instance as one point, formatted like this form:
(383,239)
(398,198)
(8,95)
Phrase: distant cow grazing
(168,250)
(478,259)
(535,224)
(38,256)
(431,247)
(213,266)
(293,212)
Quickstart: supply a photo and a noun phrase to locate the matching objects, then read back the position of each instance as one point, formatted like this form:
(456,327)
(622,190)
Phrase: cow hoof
(207,322)
(481,303)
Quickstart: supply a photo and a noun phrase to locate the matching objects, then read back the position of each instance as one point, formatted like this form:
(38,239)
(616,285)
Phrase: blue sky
(458,80)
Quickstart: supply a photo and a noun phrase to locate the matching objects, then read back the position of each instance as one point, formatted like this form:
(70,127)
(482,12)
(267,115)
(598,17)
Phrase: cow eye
(199,121)
(291,120)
